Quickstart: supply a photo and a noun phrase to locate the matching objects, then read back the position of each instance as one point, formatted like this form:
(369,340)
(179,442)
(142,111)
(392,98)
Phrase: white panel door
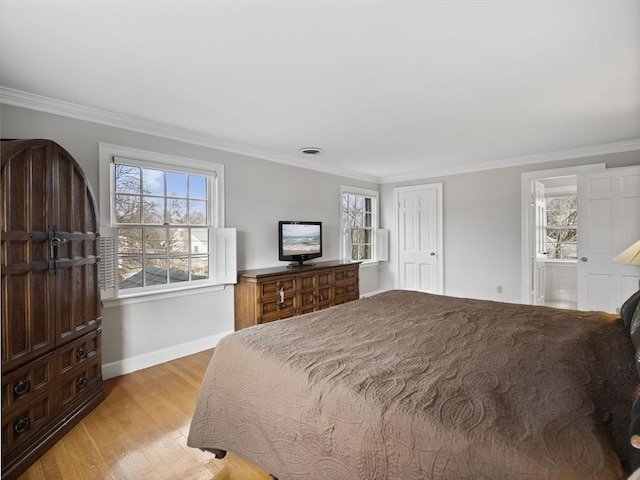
(540,242)
(608,222)
(419,220)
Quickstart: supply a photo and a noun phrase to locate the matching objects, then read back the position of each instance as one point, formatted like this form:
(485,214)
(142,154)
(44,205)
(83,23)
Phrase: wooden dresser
(269,294)
(51,361)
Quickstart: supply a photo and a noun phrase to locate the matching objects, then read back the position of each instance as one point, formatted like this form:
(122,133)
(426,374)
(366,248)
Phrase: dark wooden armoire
(51,359)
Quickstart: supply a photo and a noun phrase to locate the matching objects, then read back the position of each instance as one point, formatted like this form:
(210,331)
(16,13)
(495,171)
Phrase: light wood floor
(140,432)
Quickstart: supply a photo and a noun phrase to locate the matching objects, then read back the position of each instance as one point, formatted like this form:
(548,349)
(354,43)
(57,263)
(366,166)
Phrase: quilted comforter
(407,385)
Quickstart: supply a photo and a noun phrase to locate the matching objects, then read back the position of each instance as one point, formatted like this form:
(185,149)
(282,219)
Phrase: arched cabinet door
(49,250)
(51,357)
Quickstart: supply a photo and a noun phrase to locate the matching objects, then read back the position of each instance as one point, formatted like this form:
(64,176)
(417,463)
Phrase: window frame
(146,159)
(374,195)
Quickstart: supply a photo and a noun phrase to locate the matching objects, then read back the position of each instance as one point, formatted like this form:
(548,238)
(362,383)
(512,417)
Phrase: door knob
(433,254)
(584,259)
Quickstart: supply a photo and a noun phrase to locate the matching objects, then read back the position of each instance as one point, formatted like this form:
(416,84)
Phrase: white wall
(482,227)
(561,282)
(258,194)
(482,230)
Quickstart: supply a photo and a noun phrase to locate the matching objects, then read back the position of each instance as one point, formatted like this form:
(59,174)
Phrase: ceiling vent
(310,151)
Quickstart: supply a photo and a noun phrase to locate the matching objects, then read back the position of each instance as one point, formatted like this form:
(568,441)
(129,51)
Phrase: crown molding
(57,107)
(40,103)
(619,147)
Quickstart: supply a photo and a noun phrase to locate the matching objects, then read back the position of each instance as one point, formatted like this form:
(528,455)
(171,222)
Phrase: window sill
(160,295)
(561,261)
(369,263)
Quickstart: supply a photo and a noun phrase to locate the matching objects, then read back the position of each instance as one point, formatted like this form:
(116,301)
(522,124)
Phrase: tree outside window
(161,219)
(358,218)
(562,227)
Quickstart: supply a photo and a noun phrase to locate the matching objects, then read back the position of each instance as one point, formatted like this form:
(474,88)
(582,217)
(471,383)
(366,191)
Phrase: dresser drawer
(275,310)
(346,293)
(344,275)
(275,288)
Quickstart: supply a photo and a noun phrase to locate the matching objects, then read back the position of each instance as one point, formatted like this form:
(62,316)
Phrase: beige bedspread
(406,385)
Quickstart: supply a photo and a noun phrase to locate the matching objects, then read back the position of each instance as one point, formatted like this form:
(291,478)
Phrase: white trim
(146,360)
(608,148)
(527,217)
(396,230)
(366,192)
(152,296)
(107,151)
(216,218)
(32,101)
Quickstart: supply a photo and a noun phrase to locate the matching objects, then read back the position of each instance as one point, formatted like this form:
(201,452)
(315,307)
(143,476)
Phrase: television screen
(300,241)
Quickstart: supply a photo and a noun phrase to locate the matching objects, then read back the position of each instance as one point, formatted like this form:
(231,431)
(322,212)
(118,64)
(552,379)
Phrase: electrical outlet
(499,288)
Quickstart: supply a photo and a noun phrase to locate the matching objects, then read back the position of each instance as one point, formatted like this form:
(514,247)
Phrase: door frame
(527,180)
(396,226)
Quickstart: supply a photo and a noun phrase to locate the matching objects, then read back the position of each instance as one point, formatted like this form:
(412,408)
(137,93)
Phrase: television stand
(268,294)
(300,264)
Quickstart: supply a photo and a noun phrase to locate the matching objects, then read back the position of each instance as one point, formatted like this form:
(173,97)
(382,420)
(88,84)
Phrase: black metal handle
(57,241)
(21,387)
(81,353)
(81,382)
(21,425)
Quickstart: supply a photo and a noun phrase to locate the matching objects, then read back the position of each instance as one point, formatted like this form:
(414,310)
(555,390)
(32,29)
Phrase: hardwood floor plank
(140,432)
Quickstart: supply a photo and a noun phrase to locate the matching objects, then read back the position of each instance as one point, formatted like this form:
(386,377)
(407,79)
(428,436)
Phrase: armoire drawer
(80,380)
(79,351)
(25,382)
(28,418)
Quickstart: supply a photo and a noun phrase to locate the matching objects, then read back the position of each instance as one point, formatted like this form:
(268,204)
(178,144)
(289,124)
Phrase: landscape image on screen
(300,239)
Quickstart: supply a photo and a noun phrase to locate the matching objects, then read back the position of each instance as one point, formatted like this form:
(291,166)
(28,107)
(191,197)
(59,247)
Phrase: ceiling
(388,89)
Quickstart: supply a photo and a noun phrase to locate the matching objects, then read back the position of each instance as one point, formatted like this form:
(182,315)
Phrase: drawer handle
(21,425)
(280,289)
(81,353)
(21,387)
(81,382)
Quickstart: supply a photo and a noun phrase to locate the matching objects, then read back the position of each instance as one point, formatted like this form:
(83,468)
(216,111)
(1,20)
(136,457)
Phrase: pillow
(634,327)
(634,437)
(628,309)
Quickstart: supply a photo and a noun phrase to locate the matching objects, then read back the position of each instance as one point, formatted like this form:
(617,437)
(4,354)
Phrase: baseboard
(129,365)
(371,294)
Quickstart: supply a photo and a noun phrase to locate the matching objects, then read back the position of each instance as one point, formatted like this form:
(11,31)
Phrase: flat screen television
(299,242)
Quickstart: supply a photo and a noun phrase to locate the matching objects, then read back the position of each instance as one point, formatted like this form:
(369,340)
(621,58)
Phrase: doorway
(549,268)
(557,241)
(609,218)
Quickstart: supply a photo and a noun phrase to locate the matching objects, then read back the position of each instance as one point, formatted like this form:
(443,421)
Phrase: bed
(408,385)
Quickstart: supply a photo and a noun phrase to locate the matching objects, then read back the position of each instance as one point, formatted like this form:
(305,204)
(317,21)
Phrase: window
(562,227)
(163,211)
(359,222)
